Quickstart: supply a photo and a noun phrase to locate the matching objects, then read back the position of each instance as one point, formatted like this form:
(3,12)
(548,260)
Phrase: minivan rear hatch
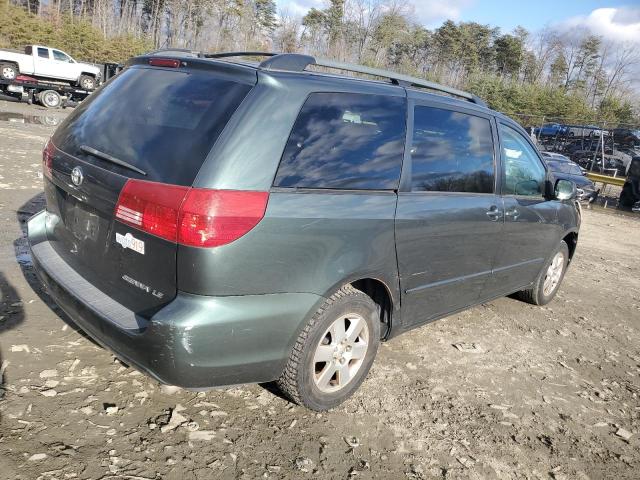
(151,127)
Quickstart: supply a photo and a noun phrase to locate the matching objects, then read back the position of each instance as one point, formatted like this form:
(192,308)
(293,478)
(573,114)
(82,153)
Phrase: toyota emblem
(77,176)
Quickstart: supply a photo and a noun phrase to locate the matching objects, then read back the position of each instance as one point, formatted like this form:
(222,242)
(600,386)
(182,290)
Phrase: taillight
(47,159)
(210,218)
(190,216)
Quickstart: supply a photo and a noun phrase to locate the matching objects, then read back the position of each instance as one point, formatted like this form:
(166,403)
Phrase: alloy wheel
(340,353)
(553,275)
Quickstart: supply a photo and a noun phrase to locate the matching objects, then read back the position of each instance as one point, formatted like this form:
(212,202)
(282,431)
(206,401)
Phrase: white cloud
(617,24)
(299,8)
(428,12)
(433,12)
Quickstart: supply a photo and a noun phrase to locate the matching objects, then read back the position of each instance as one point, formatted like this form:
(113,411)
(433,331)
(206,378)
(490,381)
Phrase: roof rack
(296,62)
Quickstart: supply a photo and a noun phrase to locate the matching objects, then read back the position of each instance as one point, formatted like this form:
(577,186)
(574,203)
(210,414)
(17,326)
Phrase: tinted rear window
(345,141)
(163,122)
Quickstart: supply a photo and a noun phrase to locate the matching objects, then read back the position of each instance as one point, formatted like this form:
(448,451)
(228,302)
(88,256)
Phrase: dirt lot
(531,393)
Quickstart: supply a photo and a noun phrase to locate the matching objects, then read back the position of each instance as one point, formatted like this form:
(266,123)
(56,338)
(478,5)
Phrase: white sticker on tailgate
(129,241)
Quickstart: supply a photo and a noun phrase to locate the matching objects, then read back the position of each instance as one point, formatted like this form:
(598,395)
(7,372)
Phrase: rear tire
(548,282)
(8,71)
(87,83)
(334,352)
(50,99)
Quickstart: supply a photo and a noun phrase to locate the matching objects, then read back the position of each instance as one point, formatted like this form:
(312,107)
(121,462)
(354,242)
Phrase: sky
(612,20)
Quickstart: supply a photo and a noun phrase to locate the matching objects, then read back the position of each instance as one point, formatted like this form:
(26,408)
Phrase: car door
(449,217)
(531,230)
(65,67)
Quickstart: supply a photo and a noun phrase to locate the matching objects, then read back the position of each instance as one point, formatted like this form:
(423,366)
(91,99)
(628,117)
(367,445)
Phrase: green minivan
(217,222)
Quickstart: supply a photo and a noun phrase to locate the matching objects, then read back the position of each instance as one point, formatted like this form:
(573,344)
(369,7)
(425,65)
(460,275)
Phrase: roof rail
(195,53)
(237,54)
(298,63)
(174,51)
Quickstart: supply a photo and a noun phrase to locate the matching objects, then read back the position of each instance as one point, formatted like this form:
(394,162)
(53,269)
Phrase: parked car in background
(585,131)
(207,244)
(561,158)
(48,63)
(551,130)
(630,195)
(626,136)
(572,171)
(555,156)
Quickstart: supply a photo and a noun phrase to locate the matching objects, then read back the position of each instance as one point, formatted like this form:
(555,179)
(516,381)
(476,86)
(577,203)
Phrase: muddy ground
(533,392)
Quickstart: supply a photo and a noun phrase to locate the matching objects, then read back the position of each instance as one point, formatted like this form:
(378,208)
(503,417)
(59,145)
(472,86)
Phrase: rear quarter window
(163,122)
(345,141)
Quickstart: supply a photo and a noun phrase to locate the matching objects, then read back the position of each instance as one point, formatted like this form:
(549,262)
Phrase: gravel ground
(505,390)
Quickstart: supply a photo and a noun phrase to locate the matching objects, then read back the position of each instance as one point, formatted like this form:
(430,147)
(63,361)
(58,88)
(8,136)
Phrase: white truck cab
(48,63)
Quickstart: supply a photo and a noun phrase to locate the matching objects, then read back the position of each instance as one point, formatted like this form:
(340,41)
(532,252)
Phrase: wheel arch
(13,63)
(380,292)
(571,239)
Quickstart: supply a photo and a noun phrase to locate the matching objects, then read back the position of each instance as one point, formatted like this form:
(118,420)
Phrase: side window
(43,52)
(523,173)
(62,57)
(451,152)
(345,141)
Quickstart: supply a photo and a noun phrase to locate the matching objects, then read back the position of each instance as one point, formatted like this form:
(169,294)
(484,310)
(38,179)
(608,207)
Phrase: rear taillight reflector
(164,62)
(190,216)
(151,207)
(47,159)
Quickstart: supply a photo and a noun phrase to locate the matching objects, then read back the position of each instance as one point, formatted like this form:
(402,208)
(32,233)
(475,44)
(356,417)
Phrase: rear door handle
(494,213)
(512,213)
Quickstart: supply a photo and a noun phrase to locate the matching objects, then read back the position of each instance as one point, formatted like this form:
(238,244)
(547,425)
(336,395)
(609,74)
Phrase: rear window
(163,122)
(345,141)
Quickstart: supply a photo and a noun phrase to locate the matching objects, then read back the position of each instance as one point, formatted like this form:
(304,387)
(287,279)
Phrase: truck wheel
(547,284)
(50,99)
(87,83)
(334,352)
(8,71)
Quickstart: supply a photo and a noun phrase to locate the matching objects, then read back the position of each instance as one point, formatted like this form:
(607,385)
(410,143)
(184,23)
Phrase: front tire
(334,352)
(87,83)
(548,282)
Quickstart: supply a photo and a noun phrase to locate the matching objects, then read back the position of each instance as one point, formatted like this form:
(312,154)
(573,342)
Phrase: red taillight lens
(164,62)
(47,159)
(190,216)
(210,218)
(151,207)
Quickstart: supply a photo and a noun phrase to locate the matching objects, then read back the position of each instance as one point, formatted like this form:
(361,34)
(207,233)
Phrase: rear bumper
(194,341)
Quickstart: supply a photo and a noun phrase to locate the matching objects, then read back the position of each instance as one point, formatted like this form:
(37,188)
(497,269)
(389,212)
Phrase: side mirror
(565,190)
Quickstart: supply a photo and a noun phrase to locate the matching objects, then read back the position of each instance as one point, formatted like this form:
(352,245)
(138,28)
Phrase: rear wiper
(109,158)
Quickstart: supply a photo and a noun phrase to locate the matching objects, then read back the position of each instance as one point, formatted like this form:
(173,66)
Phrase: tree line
(573,77)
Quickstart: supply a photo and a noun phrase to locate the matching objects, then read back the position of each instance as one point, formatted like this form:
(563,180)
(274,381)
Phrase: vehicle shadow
(11,315)
(23,257)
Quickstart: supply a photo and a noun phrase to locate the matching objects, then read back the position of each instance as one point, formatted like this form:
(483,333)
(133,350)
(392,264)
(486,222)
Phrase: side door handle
(512,213)
(494,213)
